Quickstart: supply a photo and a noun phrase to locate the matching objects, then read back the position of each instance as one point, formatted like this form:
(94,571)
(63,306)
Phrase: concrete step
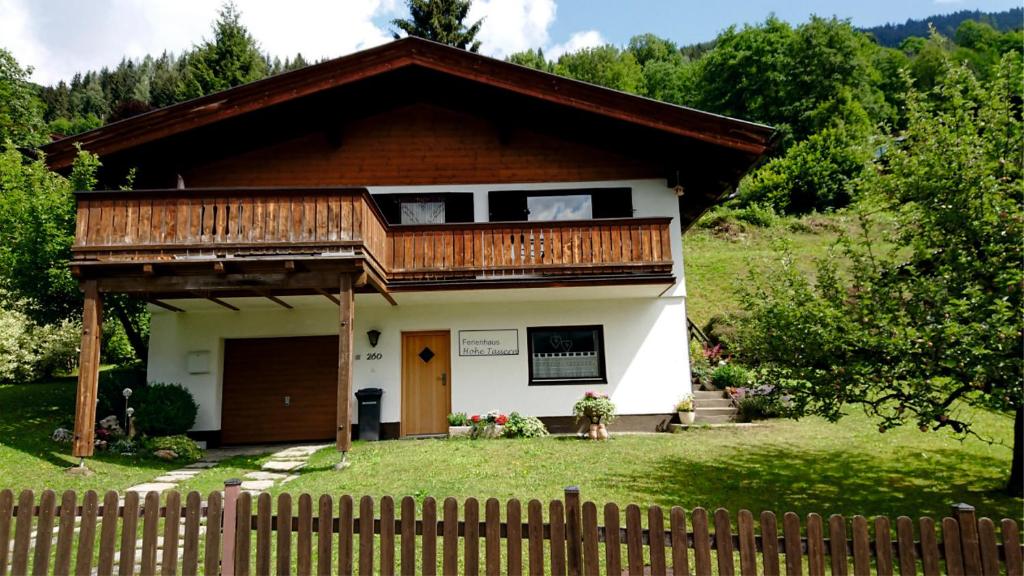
(714,411)
(712,419)
(709,395)
(713,403)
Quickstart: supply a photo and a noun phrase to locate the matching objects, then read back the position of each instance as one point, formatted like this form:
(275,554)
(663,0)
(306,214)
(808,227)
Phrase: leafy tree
(441,21)
(21,111)
(532,59)
(231,58)
(603,65)
(925,318)
(651,48)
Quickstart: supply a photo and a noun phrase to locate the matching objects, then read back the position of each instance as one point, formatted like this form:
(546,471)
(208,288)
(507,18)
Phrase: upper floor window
(436,208)
(564,204)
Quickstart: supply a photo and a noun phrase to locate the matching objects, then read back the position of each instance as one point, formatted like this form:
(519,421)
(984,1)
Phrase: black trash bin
(369,413)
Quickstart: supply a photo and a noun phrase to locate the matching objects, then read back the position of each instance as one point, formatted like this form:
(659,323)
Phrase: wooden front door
(426,382)
(280,389)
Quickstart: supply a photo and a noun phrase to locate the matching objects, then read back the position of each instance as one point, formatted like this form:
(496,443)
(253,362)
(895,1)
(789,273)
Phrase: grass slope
(29,459)
(805,466)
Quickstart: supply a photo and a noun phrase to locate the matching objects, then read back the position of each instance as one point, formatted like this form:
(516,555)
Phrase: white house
(461,232)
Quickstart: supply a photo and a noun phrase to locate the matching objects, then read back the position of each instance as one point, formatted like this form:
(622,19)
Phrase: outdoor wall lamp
(374,336)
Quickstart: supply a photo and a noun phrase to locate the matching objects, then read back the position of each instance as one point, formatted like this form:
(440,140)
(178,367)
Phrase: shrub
(29,351)
(519,426)
(458,419)
(164,410)
(731,376)
(758,407)
(594,407)
(757,214)
(700,366)
(110,397)
(185,447)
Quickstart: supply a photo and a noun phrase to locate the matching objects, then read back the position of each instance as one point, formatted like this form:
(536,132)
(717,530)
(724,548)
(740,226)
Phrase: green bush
(29,351)
(758,407)
(164,410)
(519,426)
(700,368)
(185,447)
(110,398)
(731,376)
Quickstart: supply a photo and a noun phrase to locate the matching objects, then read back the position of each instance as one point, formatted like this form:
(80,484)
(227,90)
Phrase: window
(566,355)
(420,212)
(550,208)
(561,204)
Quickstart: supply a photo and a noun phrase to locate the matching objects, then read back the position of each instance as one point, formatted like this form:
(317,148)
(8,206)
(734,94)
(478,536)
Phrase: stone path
(282,467)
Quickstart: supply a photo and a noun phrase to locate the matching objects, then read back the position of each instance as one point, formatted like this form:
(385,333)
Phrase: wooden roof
(746,138)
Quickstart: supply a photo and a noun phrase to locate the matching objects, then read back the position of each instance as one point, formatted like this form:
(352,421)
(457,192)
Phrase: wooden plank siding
(226,226)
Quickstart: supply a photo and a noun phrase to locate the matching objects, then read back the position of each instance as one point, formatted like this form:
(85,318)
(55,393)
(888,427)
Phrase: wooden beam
(147,269)
(88,371)
(329,296)
(218,267)
(289,266)
(222,303)
(346,309)
(360,280)
(213,282)
(379,286)
(165,305)
(275,300)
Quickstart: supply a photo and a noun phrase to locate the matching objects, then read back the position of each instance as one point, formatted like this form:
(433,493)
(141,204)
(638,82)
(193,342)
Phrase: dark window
(565,204)
(441,208)
(566,355)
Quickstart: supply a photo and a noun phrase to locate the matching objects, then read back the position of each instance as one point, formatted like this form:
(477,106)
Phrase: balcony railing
(169,225)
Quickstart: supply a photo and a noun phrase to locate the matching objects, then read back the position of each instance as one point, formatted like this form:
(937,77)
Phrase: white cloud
(512,25)
(58,38)
(578,41)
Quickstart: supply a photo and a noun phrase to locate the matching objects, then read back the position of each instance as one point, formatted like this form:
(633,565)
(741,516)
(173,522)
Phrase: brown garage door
(279,389)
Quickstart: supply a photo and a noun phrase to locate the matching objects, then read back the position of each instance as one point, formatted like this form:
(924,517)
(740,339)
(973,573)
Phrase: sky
(60,37)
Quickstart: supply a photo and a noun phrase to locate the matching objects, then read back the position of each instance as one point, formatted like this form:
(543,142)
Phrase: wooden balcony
(148,230)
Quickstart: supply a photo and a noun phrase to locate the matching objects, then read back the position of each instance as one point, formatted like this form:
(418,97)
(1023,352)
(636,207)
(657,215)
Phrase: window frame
(602,378)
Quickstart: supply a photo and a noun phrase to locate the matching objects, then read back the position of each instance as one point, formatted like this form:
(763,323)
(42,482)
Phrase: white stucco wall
(646,345)
(645,350)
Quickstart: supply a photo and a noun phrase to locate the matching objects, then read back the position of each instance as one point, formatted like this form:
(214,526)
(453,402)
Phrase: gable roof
(741,136)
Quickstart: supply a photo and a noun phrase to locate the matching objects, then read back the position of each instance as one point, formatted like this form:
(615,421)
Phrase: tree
(925,316)
(21,111)
(532,59)
(441,21)
(231,58)
(605,66)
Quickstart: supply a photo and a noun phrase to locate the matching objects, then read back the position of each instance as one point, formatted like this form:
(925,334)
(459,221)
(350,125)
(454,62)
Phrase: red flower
(475,418)
(501,419)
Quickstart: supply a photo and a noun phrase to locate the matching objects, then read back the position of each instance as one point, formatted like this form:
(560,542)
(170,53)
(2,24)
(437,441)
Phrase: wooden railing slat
(514,551)
(492,537)
(345,529)
(791,536)
(769,544)
(408,533)
(150,532)
(815,545)
(634,541)
(535,533)
(591,539)
(656,541)
(612,541)
(556,519)
(172,522)
(324,535)
(304,543)
(680,541)
(450,555)
(905,546)
(429,536)
(387,536)
(989,547)
(929,548)
(66,533)
(87,534)
(1011,547)
(951,547)
(701,542)
(837,545)
(723,543)
(214,514)
(108,534)
(190,545)
(44,533)
(22,533)
(748,542)
(471,537)
(883,546)
(243,534)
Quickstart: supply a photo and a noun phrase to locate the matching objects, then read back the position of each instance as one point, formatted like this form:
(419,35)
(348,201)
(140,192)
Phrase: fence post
(573,531)
(969,543)
(232,487)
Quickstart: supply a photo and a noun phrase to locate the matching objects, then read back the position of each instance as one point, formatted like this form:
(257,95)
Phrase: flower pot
(602,432)
(592,434)
(459,431)
(686,417)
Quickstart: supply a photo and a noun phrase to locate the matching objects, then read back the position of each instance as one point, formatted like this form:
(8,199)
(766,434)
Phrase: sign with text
(489,342)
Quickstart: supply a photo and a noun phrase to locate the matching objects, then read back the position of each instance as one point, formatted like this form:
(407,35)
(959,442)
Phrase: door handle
(444,378)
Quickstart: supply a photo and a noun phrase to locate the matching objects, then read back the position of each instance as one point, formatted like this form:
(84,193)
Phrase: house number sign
(489,342)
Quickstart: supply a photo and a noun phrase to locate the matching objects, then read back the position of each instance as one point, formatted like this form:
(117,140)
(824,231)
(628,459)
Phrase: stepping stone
(290,478)
(257,484)
(188,472)
(296,451)
(283,465)
(152,487)
(260,475)
(201,465)
(170,479)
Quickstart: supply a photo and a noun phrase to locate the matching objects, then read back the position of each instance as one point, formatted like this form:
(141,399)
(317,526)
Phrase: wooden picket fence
(345,536)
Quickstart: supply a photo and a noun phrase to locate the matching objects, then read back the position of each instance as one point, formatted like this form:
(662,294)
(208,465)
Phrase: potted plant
(596,409)
(458,425)
(685,410)
(490,425)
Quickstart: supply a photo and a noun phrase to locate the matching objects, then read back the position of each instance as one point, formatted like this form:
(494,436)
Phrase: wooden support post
(88,371)
(347,313)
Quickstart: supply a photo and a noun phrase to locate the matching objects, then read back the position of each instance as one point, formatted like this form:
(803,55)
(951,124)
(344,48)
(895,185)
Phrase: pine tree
(232,58)
(441,21)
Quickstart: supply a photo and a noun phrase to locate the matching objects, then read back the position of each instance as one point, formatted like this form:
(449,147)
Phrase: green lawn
(806,466)
(29,459)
